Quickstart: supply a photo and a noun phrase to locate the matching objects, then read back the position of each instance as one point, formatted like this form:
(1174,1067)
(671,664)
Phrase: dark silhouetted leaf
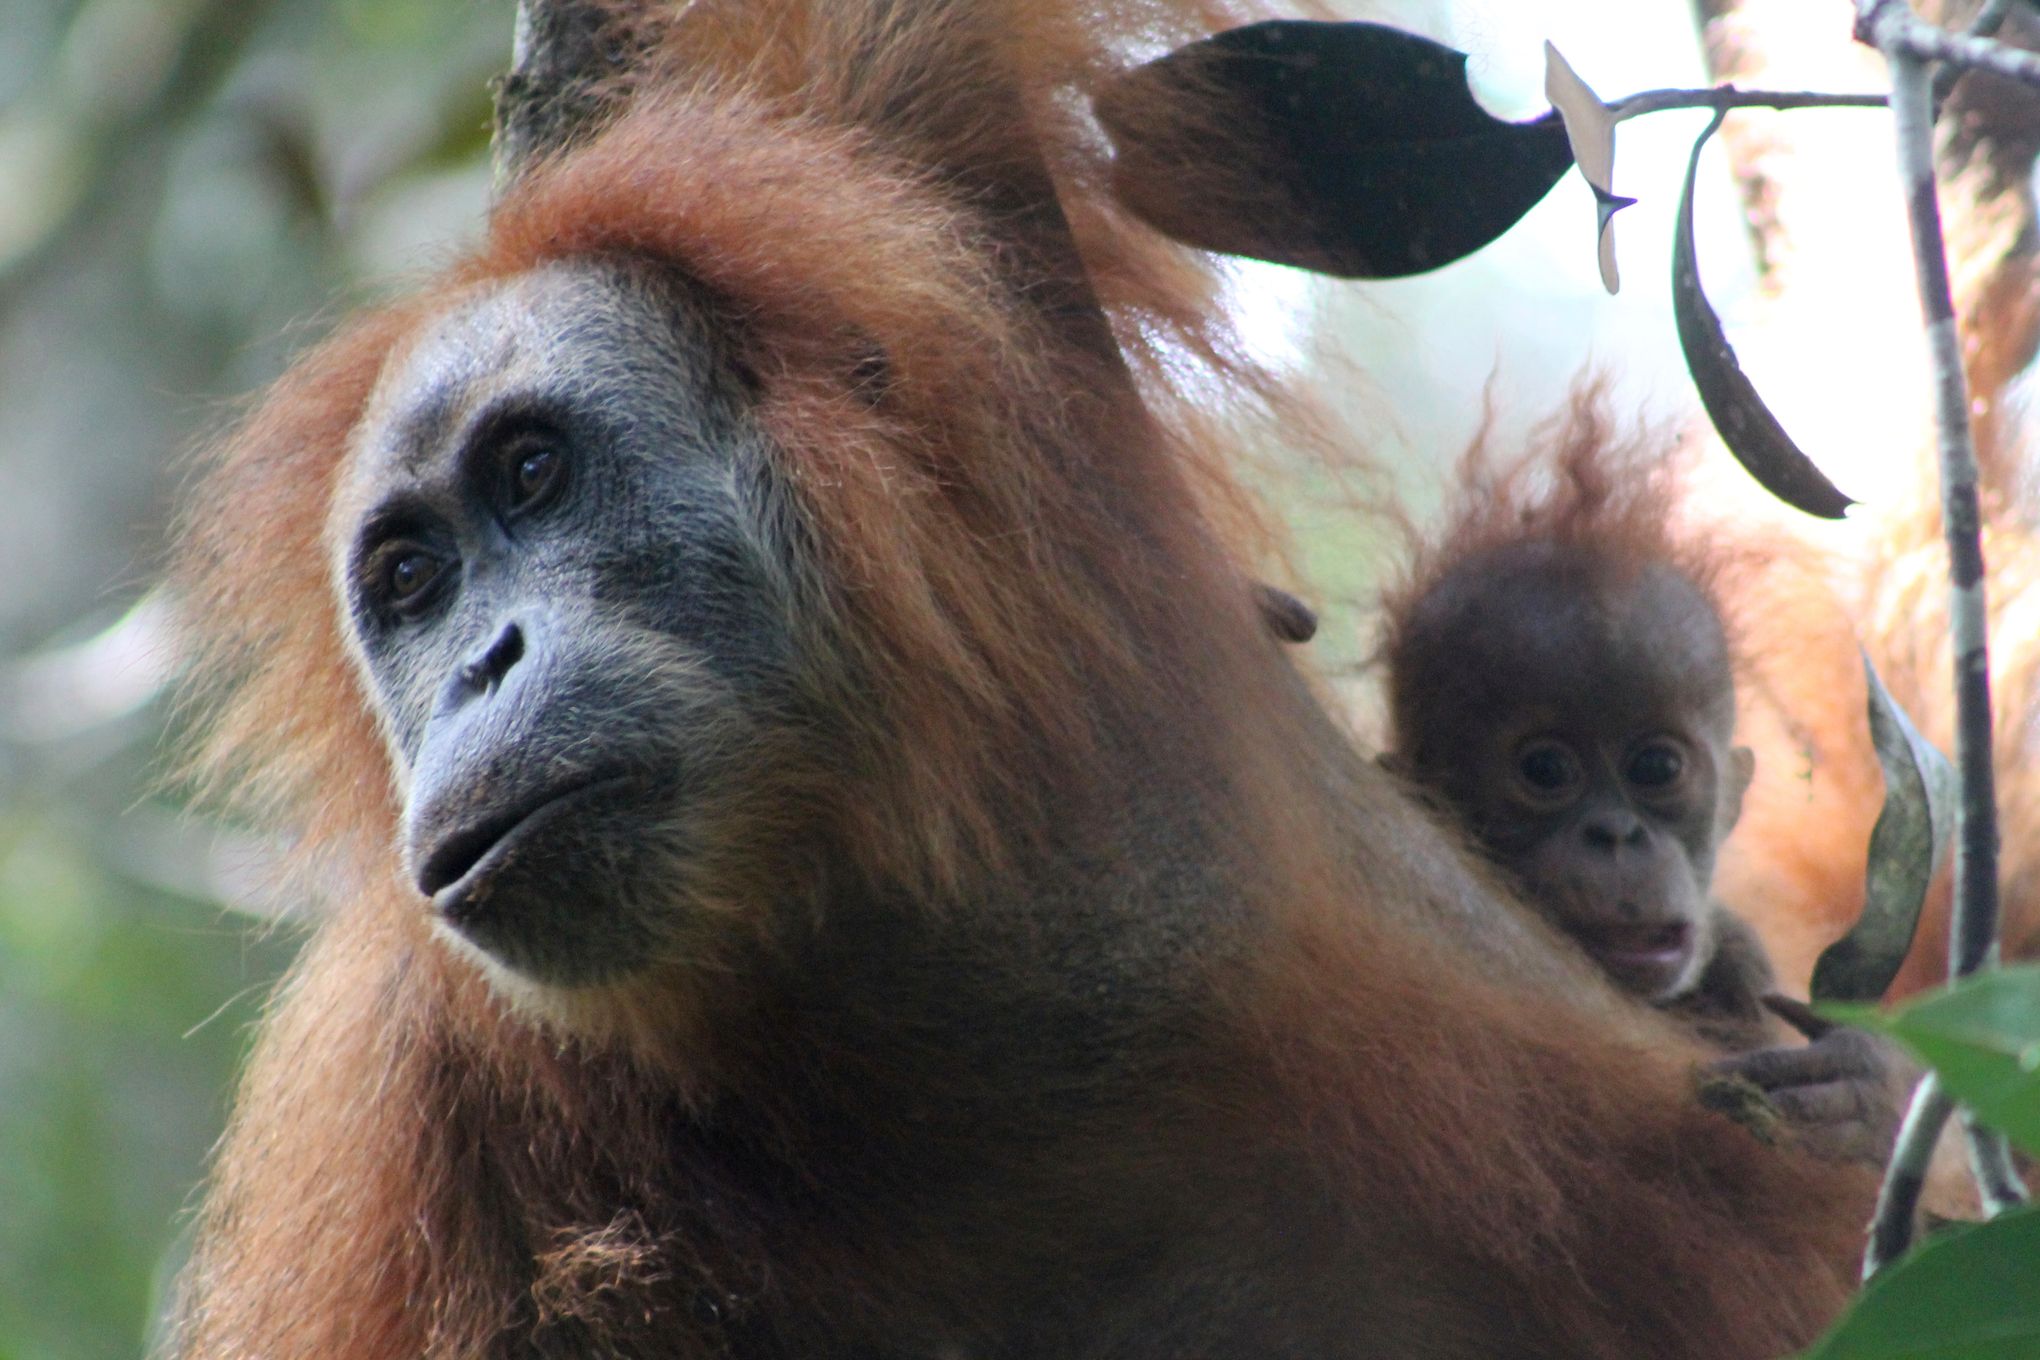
(1366,155)
(1966,1295)
(1747,426)
(1906,846)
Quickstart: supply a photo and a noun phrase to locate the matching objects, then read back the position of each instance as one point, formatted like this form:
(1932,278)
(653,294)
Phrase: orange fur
(1379,1105)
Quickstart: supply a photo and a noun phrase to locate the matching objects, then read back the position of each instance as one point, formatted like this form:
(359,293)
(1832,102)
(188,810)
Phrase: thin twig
(1974,926)
(1729,97)
(1905,1177)
(563,51)
(1990,17)
(1990,1161)
(1893,28)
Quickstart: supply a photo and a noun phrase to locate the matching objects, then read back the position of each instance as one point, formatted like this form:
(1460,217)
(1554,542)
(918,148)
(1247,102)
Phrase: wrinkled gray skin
(552,553)
(1578,716)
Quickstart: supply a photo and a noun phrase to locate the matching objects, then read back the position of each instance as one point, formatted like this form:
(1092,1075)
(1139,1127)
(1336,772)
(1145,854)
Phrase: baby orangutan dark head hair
(1561,675)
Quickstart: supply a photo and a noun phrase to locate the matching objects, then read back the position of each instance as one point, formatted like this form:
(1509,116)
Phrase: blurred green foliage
(115,1049)
(1966,1295)
(186,182)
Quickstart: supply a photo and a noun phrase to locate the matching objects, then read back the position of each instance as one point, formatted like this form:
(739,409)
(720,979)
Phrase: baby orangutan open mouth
(1650,960)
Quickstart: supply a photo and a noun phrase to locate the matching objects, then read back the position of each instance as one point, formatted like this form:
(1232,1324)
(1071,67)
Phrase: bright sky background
(1840,365)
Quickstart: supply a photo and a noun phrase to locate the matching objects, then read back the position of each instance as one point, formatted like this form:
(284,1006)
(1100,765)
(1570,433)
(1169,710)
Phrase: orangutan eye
(534,470)
(403,577)
(1657,766)
(1548,769)
(408,576)
(535,478)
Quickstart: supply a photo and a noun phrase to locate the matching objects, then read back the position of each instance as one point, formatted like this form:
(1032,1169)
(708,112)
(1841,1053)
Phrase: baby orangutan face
(1583,732)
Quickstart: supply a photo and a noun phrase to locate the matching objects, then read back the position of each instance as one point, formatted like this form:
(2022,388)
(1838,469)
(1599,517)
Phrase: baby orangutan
(1561,679)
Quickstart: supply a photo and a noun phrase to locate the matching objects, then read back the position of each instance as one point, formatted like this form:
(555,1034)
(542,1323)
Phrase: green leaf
(1967,1294)
(1911,836)
(1746,425)
(1983,1036)
(1365,152)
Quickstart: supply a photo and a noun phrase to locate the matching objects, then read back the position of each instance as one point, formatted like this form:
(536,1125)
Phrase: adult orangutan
(830,860)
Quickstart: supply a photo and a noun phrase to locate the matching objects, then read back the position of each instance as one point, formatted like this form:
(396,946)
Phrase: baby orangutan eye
(1657,766)
(1548,769)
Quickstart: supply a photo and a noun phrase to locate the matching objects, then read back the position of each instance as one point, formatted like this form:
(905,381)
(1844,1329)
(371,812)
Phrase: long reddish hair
(1007,418)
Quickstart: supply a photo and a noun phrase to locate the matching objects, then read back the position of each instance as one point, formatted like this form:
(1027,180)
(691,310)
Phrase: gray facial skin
(553,552)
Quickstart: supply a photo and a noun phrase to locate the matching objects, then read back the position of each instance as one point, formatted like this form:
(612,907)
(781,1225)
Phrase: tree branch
(1905,1176)
(1893,28)
(566,61)
(1990,1161)
(1990,17)
(1729,97)
(1974,927)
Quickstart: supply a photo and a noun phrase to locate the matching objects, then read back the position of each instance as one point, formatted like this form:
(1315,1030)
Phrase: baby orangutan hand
(1844,1090)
